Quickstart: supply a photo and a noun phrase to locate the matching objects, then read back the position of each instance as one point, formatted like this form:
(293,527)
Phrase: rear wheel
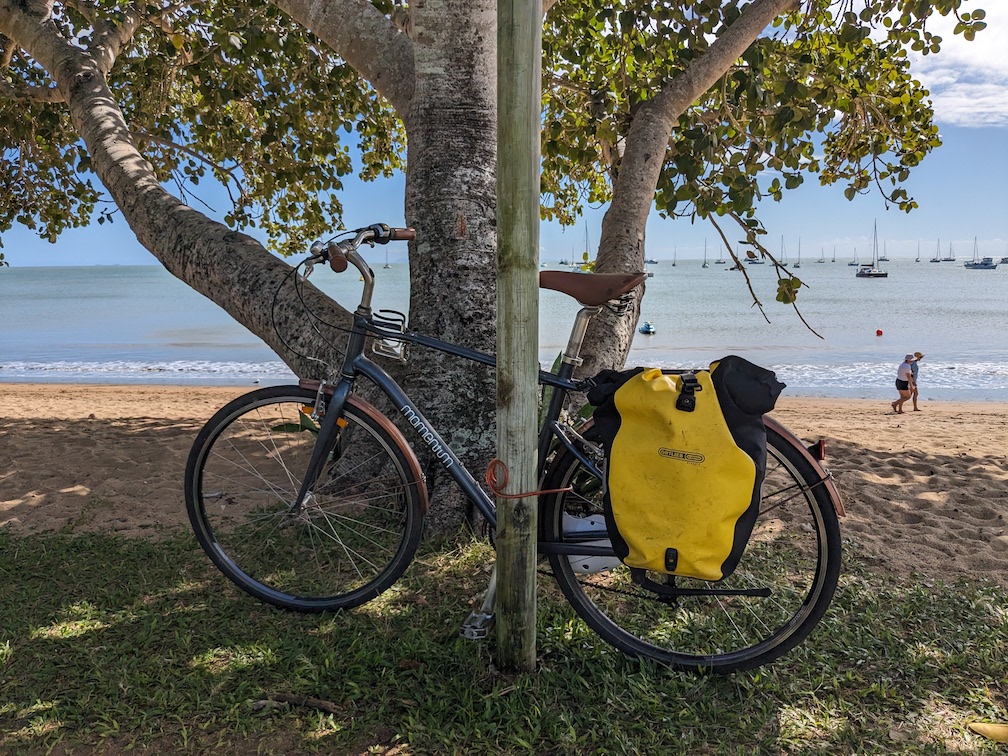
(794,552)
(357,529)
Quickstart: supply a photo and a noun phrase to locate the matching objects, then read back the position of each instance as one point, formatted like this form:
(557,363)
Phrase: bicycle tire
(794,550)
(358,528)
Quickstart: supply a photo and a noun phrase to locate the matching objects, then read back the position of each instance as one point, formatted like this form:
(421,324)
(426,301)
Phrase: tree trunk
(442,82)
(621,246)
(450,200)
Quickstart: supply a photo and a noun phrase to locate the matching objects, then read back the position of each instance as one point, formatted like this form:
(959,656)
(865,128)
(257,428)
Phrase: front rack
(390,347)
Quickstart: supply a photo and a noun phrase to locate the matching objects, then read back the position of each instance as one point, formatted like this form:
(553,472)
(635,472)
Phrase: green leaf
(305,423)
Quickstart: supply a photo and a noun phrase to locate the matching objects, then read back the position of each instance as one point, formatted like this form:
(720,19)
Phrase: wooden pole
(519,98)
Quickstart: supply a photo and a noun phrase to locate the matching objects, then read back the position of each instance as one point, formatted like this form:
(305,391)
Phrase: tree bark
(621,245)
(451,200)
(442,81)
(231,269)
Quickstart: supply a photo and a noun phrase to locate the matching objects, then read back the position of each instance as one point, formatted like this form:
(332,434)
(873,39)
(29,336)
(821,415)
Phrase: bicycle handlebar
(384,234)
(335,253)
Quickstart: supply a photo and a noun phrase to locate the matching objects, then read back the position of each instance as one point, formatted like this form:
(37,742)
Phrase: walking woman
(904,383)
(913,383)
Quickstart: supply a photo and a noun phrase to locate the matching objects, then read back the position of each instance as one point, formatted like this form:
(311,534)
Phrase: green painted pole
(519,98)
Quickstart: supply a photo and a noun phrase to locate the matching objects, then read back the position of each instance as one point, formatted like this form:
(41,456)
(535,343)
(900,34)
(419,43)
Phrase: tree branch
(366,39)
(109,37)
(702,73)
(6,51)
(26,92)
(88,10)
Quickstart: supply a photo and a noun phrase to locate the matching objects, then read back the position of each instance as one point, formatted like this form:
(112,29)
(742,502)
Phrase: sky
(962,187)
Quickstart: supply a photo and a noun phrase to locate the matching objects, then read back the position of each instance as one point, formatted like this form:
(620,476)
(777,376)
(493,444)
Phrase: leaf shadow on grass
(110,643)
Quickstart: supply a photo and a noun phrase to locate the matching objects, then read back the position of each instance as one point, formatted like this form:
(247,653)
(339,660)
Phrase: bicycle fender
(389,427)
(404,446)
(830,486)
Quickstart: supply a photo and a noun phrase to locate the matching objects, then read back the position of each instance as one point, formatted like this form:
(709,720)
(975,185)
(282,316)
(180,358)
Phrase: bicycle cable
(313,318)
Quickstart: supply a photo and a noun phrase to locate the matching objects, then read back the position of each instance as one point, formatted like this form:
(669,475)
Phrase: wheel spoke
(785,555)
(352,537)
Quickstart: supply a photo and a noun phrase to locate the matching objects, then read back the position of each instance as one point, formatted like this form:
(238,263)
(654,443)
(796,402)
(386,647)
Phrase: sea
(140,325)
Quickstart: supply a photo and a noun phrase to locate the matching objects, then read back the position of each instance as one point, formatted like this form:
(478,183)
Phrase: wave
(975,381)
(196,372)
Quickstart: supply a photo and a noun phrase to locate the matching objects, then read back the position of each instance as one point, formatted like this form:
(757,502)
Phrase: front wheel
(794,552)
(355,532)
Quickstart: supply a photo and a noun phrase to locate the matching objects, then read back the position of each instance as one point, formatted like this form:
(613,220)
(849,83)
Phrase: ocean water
(125,324)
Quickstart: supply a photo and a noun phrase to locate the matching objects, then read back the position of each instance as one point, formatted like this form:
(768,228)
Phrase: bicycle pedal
(478,625)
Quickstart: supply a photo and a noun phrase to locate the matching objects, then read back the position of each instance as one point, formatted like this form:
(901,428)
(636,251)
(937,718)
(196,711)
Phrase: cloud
(968,81)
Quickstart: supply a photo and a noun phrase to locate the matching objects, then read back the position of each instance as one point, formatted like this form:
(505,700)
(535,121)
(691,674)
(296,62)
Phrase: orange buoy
(878,332)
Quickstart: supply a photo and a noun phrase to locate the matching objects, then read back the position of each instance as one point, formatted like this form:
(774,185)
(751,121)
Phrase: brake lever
(317,252)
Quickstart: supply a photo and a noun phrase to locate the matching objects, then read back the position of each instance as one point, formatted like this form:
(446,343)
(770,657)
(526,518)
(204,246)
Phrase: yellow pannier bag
(685,460)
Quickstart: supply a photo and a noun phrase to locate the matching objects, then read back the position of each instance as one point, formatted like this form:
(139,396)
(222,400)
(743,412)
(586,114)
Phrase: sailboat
(853,263)
(582,265)
(705,265)
(386,266)
(834,254)
(674,250)
(980,263)
(798,261)
(783,252)
(872,271)
(566,263)
(951,255)
(918,252)
(822,255)
(884,257)
(757,260)
(720,259)
(937,257)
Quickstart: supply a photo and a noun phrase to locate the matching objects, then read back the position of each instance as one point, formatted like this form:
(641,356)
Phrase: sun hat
(908,357)
(918,355)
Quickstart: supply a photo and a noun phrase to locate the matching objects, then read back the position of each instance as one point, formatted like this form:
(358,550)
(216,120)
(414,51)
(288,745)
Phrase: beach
(925,492)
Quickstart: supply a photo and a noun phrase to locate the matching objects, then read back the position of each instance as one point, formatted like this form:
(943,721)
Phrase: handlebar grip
(382,234)
(337,260)
(402,234)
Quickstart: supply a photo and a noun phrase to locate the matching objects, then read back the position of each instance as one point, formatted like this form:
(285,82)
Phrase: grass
(109,644)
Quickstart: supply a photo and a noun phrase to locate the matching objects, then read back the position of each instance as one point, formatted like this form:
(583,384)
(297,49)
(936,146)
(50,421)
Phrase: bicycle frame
(357,364)
(358,515)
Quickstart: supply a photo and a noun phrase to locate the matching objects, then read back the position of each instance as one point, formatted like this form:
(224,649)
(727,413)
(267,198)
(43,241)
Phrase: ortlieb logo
(694,458)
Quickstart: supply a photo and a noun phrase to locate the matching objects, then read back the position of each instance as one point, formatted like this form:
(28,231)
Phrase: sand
(924,491)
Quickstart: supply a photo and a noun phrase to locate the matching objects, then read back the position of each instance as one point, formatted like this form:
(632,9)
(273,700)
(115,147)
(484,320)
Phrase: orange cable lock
(496,469)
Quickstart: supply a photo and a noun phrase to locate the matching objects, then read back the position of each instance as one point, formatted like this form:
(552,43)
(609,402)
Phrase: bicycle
(309,498)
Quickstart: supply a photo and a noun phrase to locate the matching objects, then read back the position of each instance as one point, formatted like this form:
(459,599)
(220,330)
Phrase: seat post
(570,355)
